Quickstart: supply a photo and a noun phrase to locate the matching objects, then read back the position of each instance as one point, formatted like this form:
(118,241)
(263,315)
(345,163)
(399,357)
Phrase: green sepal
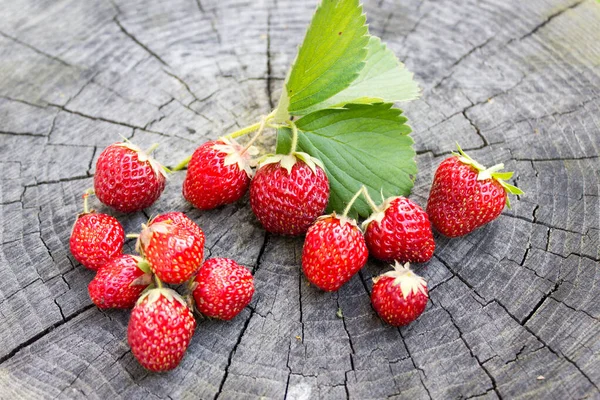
(143,264)
(490,173)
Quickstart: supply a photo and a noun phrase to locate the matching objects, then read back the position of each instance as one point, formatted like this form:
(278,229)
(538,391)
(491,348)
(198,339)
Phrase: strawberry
(218,173)
(174,252)
(127,178)
(119,282)
(334,250)
(465,195)
(399,230)
(222,288)
(95,238)
(160,329)
(181,220)
(399,296)
(289,192)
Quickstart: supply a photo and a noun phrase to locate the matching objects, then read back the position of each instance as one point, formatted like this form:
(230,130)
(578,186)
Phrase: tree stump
(514,308)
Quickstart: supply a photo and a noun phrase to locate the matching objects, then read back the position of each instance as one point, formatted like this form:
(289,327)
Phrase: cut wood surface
(515,306)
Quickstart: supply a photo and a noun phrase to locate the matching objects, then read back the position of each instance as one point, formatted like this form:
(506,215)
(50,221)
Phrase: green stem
(152,148)
(182,164)
(159,283)
(351,203)
(259,132)
(86,194)
(244,131)
(370,201)
(294,137)
(132,235)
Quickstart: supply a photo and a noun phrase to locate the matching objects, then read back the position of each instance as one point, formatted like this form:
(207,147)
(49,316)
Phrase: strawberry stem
(370,201)
(159,283)
(85,196)
(259,132)
(152,148)
(132,235)
(352,200)
(294,137)
(182,164)
(244,131)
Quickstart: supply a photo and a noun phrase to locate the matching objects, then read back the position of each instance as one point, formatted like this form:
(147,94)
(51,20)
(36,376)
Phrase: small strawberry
(127,178)
(174,253)
(181,220)
(222,288)
(399,230)
(95,237)
(160,329)
(465,195)
(289,192)
(218,173)
(399,296)
(334,250)
(119,282)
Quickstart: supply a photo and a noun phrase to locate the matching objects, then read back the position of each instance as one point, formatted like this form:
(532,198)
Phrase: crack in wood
(139,43)
(43,333)
(421,373)
(41,52)
(546,21)
(481,365)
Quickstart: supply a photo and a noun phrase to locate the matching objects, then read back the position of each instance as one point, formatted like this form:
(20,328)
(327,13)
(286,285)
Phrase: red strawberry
(288,193)
(119,282)
(174,253)
(181,220)
(334,250)
(399,230)
(127,178)
(223,288)
(160,329)
(95,238)
(218,173)
(465,195)
(399,296)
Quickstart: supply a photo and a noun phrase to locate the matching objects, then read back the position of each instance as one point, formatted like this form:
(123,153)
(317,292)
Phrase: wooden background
(512,81)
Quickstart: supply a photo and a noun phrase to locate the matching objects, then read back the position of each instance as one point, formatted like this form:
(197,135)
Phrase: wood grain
(515,306)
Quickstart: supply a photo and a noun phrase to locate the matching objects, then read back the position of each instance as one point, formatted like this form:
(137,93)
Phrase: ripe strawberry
(399,296)
(218,173)
(119,282)
(95,238)
(288,193)
(222,288)
(181,220)
(127,178)
(399,230)
(334,250)
(160,329)
(174,252)
(465,195)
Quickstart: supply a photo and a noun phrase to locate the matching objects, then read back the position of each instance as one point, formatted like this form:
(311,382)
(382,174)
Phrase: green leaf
(384,79)
(359,144)
(329,59)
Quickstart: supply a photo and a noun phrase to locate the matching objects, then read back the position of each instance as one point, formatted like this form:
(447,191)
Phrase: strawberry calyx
(379,212)
(142,264)
(154,294)
(148,230)
(342,218)
(410,283)
(493,172)
(287,161)
(237,154)
(144,156)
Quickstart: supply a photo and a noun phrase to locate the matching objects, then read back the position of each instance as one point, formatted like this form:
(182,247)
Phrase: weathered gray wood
(514,82)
